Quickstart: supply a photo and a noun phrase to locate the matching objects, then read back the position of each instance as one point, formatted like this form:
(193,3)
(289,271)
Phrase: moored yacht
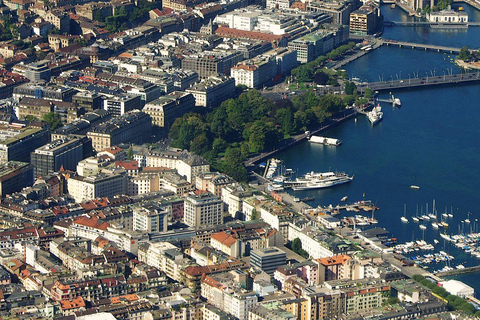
(376,115)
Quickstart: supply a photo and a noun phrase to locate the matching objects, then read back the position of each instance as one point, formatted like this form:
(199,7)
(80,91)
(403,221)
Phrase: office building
(203,209)
(37,71)
(16,143)
(103,185)
(14,176)
(63,153)
(166,109)
(133,126)
(268,259)
(211,92)
(119,105)
(210,63)
(49,92)
(89,101)
(150,218)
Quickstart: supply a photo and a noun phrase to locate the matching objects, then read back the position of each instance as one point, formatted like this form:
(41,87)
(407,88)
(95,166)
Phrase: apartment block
(203,209)
(133,126)
(166,109)
(212,91)
(92,187)
(14,176)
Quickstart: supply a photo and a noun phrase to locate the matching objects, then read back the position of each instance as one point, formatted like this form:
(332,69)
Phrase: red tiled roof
(235,33)
(91,222)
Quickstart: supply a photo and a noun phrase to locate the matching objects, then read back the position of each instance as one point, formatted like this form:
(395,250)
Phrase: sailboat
(415,219)
(404,218)
(423,227)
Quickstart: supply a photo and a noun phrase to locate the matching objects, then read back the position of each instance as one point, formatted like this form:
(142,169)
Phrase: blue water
(432,141)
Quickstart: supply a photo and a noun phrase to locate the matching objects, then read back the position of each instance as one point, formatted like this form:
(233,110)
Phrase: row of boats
(468,243)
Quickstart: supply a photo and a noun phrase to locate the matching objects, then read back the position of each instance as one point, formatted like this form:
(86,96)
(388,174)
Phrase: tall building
(212,91)
(14,176)
(119,105)
(37,71)
(166,109)
(17,143)
(268,259)
(63,153)
(84,189)
(89,101)
(150,218)
(203,209)
(366,20)
(133,126)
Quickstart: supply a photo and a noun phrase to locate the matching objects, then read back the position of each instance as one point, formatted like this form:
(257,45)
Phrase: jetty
(458,271)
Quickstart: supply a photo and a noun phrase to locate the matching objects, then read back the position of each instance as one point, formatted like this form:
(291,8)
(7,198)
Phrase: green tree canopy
(53,119)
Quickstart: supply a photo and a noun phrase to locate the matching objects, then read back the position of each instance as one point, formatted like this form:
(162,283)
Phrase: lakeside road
(345,115)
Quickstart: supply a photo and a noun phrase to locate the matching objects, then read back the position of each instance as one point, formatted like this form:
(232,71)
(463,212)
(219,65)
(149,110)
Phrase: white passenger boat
(376,115)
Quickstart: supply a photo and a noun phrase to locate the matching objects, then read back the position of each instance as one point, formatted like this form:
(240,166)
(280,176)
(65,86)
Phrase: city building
(14,176)
(48,92)
(119,105)
(366,20)
(203,209)
(133,126)
(149,218)
(448,16)
(60,20)
(187,164)
(92,187)
(87,100)
(254,73)
(339,10)
(16,143)
(37,71)
(64,153)
(268,259)
(166,109)
(279,4)
(269,311)
(212,91)
(210,63)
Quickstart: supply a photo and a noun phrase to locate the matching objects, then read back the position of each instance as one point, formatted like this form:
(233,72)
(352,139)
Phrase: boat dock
(458,271)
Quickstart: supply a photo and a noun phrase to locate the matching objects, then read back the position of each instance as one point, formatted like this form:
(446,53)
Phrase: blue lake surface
(432,141)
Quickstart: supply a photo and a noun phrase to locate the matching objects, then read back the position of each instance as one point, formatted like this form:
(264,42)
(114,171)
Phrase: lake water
(432,141)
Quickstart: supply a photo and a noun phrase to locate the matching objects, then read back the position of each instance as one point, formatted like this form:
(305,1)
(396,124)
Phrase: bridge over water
(469,77)
(413,45)
(432,24)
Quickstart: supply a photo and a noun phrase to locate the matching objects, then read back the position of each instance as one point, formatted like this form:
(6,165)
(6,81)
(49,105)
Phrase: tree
(321,78)
(233,165)
(98,16)
(464,54)
(296,245)
(254,215)
(350,88)
(130,153)
(53,119)
(368,93)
